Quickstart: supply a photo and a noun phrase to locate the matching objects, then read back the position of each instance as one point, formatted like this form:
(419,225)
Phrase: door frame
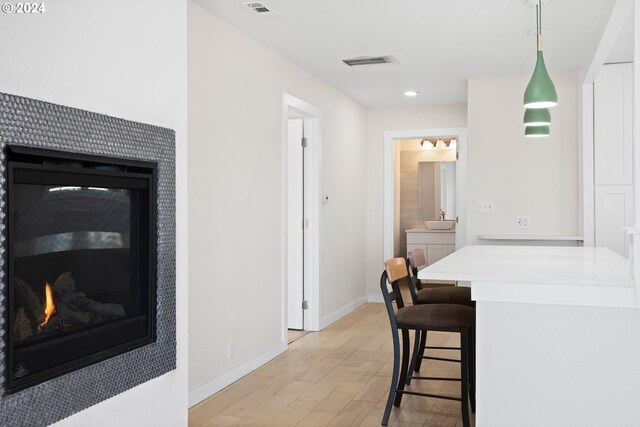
(390,138)
(312,122)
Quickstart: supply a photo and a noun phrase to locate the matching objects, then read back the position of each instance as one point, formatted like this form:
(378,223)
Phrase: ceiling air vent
(260,8)
(370,60)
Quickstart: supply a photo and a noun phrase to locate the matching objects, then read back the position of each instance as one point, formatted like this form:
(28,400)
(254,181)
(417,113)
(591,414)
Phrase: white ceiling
(439,44)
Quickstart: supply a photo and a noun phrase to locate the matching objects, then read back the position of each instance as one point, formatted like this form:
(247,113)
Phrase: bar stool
(435,317)
(445,295)
(420,295)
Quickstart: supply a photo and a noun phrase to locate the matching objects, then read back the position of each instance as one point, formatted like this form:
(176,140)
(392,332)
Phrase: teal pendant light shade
(537,117)
(540,92)
(537,131)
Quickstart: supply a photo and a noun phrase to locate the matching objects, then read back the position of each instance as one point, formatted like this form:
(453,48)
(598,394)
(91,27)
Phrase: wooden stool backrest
(417,258)
(396,269)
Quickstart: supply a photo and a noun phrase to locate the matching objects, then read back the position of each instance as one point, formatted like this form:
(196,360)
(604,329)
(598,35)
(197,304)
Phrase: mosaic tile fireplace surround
(87,206)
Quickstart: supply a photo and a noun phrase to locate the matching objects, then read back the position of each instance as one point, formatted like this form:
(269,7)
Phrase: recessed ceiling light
(411,93)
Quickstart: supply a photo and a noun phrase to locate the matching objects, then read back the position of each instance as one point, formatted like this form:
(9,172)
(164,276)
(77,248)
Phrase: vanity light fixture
(427,145)
(537,131)
(439,144)
(411,93)
(540,92)
(537,117)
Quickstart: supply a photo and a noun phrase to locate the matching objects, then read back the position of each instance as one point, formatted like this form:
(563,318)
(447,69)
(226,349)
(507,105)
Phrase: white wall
(390,119)
(126,59)
(235,206)
(535,177)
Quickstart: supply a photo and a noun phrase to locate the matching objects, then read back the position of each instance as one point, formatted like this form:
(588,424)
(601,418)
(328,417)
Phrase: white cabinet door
(614,210)
(412,247)
(612,125)
(451,249)
(436,252)
(612,140)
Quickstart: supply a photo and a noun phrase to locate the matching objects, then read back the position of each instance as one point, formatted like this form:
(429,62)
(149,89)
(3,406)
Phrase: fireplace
(88,205)
(81,261)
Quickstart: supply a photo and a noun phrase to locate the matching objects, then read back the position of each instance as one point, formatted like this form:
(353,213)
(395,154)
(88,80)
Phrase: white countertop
(528,237)
(540,274)
(428,230)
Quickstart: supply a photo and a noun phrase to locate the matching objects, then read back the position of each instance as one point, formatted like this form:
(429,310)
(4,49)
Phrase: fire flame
(49,307)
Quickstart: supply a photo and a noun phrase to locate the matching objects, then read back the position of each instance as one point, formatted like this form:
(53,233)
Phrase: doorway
(391,164)
(301,178)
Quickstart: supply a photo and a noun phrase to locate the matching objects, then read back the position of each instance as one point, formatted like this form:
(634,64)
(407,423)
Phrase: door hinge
(305,224)
(304,142)
(305,305)
(457,155)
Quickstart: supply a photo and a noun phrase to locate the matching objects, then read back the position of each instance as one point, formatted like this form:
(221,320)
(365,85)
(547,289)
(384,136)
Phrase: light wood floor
(294,335)
(337,377)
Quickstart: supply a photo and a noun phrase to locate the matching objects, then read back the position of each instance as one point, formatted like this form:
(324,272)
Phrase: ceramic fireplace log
(65,287)
(22,327)
(29,301)
(99,309)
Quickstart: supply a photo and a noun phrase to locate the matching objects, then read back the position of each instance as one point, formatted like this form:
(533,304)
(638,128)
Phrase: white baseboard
(377,298)
(210,388)
(332,317)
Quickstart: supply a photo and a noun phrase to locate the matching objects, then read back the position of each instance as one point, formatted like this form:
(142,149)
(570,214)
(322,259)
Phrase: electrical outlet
(523,222)
(485,206)
(232,350)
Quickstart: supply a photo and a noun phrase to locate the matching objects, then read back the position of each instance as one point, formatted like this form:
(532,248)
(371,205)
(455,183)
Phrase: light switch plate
(485,206)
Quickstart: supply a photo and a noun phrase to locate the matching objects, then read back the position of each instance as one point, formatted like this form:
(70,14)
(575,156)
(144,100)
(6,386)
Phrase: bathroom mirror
(436,190)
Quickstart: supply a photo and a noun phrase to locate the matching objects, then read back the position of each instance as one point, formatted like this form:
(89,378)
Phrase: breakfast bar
(558,334)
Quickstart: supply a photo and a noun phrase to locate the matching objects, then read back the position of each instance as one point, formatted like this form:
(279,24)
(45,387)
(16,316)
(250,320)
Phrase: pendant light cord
(540,16)
(538,44)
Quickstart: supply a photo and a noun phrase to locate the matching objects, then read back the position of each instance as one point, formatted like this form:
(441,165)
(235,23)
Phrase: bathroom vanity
(436,244)
(558,334)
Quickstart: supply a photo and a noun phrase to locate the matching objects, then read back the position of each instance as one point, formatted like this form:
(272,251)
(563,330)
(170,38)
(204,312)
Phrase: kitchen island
(558,334)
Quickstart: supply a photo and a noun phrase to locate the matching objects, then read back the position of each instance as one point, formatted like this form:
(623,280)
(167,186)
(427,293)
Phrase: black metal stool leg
(405,366)
(414,357)
(394,378)
(464,376)
(423,345)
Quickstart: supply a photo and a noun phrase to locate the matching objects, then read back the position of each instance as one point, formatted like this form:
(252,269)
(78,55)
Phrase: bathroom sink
(440,225)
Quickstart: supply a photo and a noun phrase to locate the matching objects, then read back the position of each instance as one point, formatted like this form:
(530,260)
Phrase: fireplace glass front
(81,244)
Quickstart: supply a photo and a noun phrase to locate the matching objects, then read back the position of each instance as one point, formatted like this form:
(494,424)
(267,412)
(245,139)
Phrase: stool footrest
(442,348)
(435,396)
(441,358)
(435,378)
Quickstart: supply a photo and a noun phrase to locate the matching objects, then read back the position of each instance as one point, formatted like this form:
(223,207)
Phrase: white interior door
(295,185)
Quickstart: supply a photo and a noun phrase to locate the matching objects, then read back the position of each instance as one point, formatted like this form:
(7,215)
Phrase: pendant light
(537,131)
(537,117)
(540,92)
